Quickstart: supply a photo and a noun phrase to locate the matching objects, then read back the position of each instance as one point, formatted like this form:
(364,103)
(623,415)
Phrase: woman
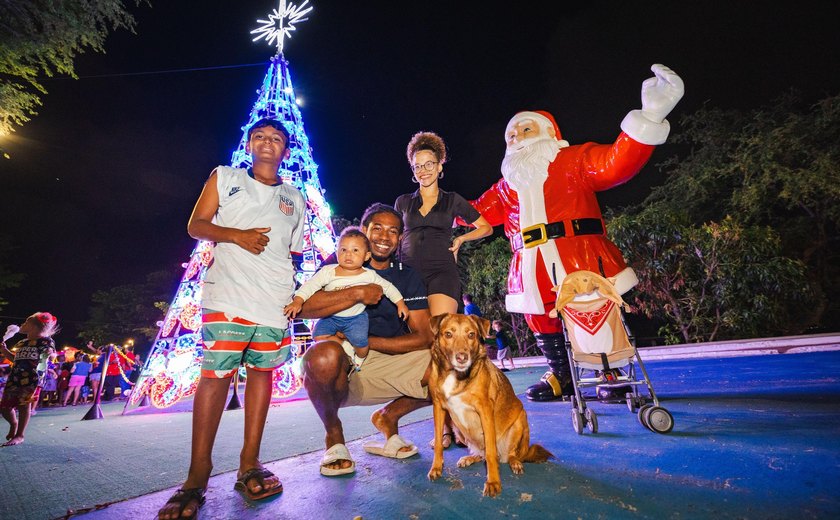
(78,374)
(428,215)
(427,244)
(21,388)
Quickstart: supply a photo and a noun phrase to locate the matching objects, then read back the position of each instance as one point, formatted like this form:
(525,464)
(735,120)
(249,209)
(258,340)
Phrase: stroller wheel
(591,421)
(660,420)
(577,422)
(631,402)
(643,415)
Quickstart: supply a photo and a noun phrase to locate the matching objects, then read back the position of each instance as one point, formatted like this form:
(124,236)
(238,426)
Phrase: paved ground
(755,437)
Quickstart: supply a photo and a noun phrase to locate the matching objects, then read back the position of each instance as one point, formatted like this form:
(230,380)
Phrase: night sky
(101,183)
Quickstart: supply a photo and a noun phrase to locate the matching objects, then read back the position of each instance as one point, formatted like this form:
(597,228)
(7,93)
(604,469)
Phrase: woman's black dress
(426,240)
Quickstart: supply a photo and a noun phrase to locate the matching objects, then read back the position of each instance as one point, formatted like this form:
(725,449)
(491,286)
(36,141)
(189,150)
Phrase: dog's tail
(537,453)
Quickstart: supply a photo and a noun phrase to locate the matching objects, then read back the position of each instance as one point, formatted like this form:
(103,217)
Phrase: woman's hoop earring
(440,175)
(414,180)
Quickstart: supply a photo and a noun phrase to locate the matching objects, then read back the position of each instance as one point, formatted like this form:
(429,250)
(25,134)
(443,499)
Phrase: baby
(353,251)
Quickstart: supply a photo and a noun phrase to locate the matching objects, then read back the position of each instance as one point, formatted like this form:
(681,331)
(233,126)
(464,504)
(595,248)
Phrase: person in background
(22,385)
(128,364)
(78,374)
(503,346)
(50,382)
(64,378)
(95,372)
(470,307)
(138,368)
(112,376)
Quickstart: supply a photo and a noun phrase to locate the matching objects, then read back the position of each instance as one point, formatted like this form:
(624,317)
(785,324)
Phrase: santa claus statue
(546,202)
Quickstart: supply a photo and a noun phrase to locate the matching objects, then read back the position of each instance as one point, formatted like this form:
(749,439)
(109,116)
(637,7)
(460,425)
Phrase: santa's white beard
(529,164)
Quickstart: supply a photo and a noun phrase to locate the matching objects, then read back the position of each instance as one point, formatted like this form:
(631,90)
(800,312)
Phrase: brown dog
(480,400)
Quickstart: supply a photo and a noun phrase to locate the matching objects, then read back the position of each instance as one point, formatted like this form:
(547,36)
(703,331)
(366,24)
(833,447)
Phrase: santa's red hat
(540,116)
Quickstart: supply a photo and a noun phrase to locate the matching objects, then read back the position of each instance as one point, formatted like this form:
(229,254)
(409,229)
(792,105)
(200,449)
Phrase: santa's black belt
(533,236)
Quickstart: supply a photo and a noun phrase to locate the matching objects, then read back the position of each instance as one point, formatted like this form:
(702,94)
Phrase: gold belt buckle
(534,242)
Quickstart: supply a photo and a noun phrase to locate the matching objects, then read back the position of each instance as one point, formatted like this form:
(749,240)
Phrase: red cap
(541,116)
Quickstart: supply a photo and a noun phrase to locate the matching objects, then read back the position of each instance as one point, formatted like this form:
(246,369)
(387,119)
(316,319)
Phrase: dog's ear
(482,324)
(435,321)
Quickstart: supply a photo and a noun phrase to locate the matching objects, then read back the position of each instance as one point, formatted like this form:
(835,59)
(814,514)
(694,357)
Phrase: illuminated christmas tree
(174,365)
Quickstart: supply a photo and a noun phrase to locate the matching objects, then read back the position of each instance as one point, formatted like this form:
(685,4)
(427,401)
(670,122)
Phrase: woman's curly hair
(426,141)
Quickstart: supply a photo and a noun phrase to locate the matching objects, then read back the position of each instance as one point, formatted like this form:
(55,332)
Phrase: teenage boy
(257,223)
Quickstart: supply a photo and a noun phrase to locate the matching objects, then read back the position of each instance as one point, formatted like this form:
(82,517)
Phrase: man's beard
(529,164)
(380,258)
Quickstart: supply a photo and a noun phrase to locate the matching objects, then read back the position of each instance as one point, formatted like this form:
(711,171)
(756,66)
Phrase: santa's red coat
(568,193)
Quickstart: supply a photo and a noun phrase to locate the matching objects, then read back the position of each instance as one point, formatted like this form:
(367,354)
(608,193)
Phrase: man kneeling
(396,370)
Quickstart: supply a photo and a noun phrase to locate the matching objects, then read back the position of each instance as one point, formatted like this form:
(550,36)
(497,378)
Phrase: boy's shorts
(354,328)
(230,341)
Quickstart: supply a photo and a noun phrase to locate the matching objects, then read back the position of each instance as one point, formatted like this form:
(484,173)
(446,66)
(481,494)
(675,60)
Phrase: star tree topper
(281,22)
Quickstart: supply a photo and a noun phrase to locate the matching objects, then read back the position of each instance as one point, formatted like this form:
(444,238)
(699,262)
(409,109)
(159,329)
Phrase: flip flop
(391,448)
(183,497)
(260,475)
(336,453)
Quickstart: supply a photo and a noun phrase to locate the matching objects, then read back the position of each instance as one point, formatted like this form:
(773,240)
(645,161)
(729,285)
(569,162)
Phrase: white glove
(661,93)
(11,330)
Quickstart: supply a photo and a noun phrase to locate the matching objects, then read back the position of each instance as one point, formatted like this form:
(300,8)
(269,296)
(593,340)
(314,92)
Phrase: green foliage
(129,310)
(710,282)
(775,166)
(485,269)
(42,38)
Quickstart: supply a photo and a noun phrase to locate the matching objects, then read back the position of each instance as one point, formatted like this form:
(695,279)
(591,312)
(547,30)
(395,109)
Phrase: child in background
(352,252)
(22,386)
(63,378)
(503,345)
(50,379)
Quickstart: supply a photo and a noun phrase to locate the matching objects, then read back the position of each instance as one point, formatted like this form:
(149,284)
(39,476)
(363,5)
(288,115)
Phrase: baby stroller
(602,354)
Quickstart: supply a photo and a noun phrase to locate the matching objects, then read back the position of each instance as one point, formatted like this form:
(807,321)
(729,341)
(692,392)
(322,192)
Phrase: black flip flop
(183,497)
(260,475)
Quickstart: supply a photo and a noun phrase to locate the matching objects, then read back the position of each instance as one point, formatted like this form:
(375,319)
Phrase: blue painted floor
(754,437)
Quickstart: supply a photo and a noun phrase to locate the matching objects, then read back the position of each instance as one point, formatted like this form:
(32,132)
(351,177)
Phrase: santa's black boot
(557,382)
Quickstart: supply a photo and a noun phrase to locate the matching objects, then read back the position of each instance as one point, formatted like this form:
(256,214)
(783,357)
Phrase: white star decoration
(281,22)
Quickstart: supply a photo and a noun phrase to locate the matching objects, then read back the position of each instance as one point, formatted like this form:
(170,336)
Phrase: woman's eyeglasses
(428,165)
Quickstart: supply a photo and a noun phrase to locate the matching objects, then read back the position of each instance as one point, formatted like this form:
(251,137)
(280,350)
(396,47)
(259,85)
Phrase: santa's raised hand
(661,93)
